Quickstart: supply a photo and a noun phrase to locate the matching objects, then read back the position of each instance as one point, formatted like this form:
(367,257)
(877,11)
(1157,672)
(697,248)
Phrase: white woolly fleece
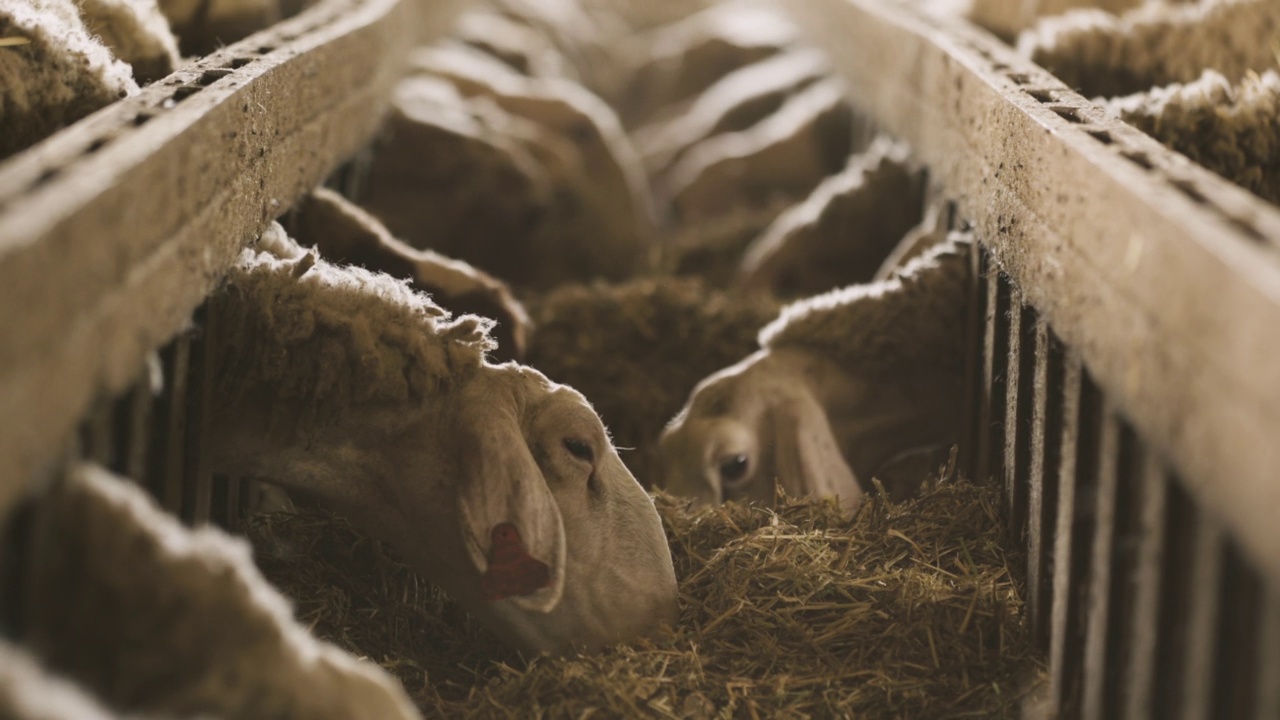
(1231,130)
(914,319)
(336,336)
(1155,44)
(63,74)
(154,617)
(136,32)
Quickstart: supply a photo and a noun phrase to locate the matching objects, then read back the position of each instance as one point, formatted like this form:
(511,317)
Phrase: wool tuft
(1101,54)
(136,32)
(335,336)
(1230,129)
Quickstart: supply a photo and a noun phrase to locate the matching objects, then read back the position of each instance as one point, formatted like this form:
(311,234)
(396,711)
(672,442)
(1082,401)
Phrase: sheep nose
(512,571)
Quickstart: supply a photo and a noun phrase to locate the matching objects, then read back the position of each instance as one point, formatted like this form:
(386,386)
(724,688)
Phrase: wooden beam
(1164,277)
(114,230)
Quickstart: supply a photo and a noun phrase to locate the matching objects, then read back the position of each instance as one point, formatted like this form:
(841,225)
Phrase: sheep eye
(579,449)
(733,469)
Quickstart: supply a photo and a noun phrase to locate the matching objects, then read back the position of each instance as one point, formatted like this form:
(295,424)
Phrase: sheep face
(753,426)
(506,492)
(541,484)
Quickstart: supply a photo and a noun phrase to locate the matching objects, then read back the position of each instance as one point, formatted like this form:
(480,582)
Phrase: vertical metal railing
(154,433)
(1143,602)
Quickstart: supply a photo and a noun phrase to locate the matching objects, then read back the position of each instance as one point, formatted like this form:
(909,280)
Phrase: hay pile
(909,610)
(636,350)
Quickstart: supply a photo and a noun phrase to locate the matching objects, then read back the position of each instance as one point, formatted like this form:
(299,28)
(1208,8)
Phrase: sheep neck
(874,419)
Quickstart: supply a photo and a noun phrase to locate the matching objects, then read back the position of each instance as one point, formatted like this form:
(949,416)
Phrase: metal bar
(1082,522)
(1175,594)
(199,397)
(1002,318)
(1267,705)
(1140,670)
(1043,464)
(1236,655)
(173,474)
(138,421)
(1063,527)
(98,434)
(1096,662)
(1010,435)
(987,408)
(1123,559)
(975,364)
(1017,428)
(1206,579)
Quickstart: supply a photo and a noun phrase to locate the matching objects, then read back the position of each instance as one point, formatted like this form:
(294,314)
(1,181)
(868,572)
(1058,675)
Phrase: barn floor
(910,610)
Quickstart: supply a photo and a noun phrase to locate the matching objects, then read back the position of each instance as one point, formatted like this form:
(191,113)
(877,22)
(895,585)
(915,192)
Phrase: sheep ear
(807,457)
(510,523)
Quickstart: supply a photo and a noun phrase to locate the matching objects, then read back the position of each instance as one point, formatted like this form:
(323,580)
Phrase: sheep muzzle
(512,570)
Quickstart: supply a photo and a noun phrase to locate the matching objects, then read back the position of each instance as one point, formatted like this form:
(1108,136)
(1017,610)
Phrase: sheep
(531,181)
(517,45)
(460,178)
(587,34)
(612,208)
(843,231)
(136,32)
(1006,18)
(676,62)
(344,233)
(152,618)
(1103,55)
(203,26)
(735,102)
(1230,130)
(845,382)
(712,247)
(932,230)
(52,71)
(501,486)
(642,15)
(787,154)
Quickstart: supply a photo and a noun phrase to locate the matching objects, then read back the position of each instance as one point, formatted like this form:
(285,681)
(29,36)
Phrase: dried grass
(910,610)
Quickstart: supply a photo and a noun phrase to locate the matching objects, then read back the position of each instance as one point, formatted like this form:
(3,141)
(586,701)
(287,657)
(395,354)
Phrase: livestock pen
(1123,388)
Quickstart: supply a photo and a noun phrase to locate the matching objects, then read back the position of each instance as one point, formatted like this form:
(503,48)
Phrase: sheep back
(331,337)
(454,176)
(152,617)
(788,154)
(1231,130)
(911,322)
(845,229)
(60,75)
(1101,54)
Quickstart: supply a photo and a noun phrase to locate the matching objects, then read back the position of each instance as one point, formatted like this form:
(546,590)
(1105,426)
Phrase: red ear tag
(512,571)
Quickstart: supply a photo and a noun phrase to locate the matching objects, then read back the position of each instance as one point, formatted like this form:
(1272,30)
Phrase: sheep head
(848,381)
(752,426)
(565,549)
(490,480)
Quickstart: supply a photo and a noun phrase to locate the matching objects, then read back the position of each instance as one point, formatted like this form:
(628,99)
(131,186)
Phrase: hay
(636,350)
(908,610)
